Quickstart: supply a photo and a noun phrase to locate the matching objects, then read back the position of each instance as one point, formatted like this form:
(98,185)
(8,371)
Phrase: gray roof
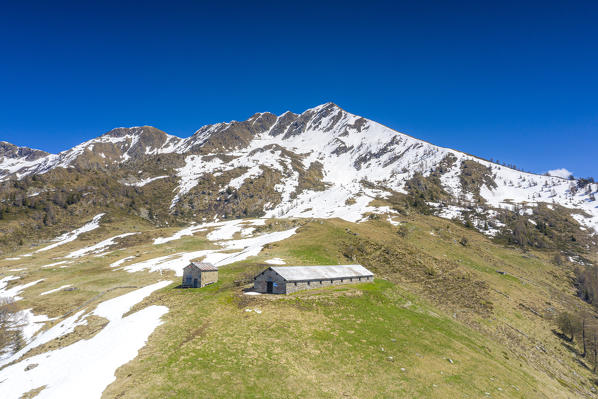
(204,266)
(304,273)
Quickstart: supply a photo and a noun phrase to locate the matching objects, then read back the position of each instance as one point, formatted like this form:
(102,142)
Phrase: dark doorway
(195,283)
(269,287)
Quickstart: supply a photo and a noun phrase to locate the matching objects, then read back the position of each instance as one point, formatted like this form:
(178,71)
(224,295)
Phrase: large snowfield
(85,368)
(222,234)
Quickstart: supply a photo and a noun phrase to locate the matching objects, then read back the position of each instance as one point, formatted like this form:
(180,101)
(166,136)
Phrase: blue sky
(509,81)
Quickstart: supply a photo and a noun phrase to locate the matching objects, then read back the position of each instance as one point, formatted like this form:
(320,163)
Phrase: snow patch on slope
(55,289)
(275,261)
(145,181)
(121,261)
(87,367)
(14,292)
(73,235)
(221,230)
(99,247)
(245,248)
(62,262)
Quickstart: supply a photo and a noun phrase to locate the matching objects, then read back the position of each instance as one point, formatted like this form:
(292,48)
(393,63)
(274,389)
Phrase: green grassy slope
(439,321)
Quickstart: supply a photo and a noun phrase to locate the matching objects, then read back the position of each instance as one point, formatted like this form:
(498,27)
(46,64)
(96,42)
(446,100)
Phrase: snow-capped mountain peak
(324,162)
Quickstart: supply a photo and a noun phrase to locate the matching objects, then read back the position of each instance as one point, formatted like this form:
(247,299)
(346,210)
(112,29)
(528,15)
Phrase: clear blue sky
(515,82)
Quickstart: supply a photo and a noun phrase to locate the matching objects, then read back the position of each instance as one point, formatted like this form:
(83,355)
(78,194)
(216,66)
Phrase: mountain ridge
(123,131)
(324,162)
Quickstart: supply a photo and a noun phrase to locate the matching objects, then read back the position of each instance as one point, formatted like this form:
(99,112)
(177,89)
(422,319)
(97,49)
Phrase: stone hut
(199,274)
(288,279)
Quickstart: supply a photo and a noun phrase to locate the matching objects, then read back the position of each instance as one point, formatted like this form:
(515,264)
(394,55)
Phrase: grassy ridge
(368,340)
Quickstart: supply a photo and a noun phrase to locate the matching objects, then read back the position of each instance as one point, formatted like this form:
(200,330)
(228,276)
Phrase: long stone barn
(289,279)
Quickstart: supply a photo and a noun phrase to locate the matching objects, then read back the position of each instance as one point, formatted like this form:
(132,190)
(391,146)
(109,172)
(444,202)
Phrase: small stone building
(199,274)
(288,279)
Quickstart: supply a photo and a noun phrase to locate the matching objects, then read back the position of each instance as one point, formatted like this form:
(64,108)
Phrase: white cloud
(564,173)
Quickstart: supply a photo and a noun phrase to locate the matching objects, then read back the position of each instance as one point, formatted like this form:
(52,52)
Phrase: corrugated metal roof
(205,267)
(304,273)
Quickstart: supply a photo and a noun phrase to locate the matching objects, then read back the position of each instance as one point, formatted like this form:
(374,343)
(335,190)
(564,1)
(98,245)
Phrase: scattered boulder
(31,366)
